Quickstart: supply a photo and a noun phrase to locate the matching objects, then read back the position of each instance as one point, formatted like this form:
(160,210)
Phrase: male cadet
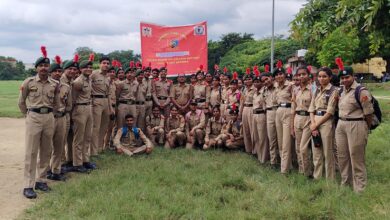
(155,124)
(70,67)
(202,91)
(181,94)
(161,90)
(59,122)
(108,137)
(174,127)
(82,118)
(126,92)
(148,99)
(131,140)
(246,111)
(140,99)
(195,126)
(36,102)
(155,74)
(101,104)
(232,134)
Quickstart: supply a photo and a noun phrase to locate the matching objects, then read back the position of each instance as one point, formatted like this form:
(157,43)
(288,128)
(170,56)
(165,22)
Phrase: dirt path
(12,202)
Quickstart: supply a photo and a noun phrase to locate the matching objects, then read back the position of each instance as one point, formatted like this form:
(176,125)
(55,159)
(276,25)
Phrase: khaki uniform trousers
(260,138)
(198,137)
(156,138)
(141,117)
(39,145)
(224,141)
(100,117)
(110,134)
(82,127)
(303,143)
(133,150)
(283,122)
(351,138)
(272,136)
(325,152)
(123,110)
(247,127)
(148,107)
(58,144)
(175,139)
(68,139)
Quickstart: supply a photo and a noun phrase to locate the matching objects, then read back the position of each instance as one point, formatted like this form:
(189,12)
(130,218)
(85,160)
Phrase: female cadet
(300,119)
(246,114)
(215,94)
(322,108)
(213,128)
(201,92)
(283,117)
(352,129)
(259,122)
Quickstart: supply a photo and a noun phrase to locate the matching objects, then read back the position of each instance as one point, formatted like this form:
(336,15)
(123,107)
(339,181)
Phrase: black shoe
(89,165)
(80,169)
(42,186)
(56,177)
(310,177)
(275,166)
(29,193)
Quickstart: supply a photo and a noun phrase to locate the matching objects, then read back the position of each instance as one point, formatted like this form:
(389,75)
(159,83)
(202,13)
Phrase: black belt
(320,113)
(43,110)
(100,96)
(258,111)
(85,103)
(285,105)
(139,102)
(128,102)
(200,100)
(272,108)
(148,99)
(351,119)
(59,114)
(302,113)
(248,105)
(162,98)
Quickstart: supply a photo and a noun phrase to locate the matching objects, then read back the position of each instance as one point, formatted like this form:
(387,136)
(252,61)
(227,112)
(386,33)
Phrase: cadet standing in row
(181,94)
(161,89)
(246,113)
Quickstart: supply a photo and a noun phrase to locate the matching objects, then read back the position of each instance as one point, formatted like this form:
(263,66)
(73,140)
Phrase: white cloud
(64,25)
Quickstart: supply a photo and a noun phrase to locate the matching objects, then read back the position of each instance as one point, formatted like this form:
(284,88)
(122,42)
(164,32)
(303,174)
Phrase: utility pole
(273,36)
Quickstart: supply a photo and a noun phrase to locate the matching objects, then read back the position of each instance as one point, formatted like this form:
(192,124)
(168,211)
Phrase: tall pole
(273,36)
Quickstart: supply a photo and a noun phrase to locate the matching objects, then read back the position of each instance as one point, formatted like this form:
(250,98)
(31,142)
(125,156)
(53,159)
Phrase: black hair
(327,70)
(303,67)
(216,107)
(129,116)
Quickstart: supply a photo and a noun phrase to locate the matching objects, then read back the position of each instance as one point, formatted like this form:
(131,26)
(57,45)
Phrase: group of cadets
(74,113)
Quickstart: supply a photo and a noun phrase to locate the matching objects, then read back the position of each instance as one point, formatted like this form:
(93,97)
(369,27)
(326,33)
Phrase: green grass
(190,184)
(9,93)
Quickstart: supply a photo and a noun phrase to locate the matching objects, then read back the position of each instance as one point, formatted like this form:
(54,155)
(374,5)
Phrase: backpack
(125,129)
(377,116)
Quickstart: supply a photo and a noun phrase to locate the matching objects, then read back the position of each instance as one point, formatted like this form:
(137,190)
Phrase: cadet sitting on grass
(131,140)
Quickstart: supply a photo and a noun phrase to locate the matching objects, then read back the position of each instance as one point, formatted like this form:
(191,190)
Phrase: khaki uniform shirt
(214,127)
(112,90)
(225,92)
(233,128)
(233,98)
(270,97)
(284,93)
(100,83)
(259,99)
(202,91)
(319,100)
(129,140)
(349,107)
(247,96)
(301,99)
(69,100)
(149,89)
(162,89)
(35,93)
(142,91)
(155,122)
(215,96)
(127,90)
(175,124)
(82,89)
(195,120)
(182,94)
(62,98)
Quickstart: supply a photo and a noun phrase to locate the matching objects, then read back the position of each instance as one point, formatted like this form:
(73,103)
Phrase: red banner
(183,48)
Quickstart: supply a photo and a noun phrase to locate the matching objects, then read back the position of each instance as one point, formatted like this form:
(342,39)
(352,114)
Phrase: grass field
(190,184)
(9,93)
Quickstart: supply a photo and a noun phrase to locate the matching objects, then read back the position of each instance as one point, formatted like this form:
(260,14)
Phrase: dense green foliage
(11,69)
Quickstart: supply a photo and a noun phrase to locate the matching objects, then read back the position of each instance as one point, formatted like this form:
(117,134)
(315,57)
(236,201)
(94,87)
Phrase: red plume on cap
(216,67)
(266,68)
(143,68)
(309,68)
(225,70)
(279,64)
(200,67)
(235,76)
(150,64)
(255,68)
(131,64)
(138,64)
(91,57)
(257,72)
(44,52)
(248,71)
(289,70)
(234,107)
(340,63)
(76,58)
(57,59)
(119,64)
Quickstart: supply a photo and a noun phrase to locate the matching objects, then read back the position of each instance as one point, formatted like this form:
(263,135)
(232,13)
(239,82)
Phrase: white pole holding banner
(273,36)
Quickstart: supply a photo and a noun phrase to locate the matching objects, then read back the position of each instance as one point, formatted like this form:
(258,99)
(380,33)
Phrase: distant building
(9,60)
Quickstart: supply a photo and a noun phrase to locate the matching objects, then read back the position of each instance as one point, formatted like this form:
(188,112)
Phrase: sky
(105,26)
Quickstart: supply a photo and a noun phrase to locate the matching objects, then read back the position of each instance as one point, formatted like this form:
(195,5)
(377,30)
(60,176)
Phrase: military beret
(104,57)
(70,63)
(163,69)
(42,59)
(193,102)
(148,69)
(347,71)
(156,70)
(54,67)
(138,72)
(85,63)
(279,68)
(118,69)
